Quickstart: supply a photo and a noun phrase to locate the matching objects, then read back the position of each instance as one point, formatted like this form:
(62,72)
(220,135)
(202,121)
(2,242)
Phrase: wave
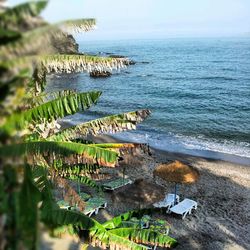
(144,75)
(199,145)
(200,78)
(216,78)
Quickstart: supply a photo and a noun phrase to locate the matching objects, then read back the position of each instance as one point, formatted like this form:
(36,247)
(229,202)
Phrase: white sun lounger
(184,207)
(168,202)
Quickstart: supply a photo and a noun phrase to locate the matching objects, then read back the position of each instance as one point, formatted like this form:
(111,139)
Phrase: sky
(139,19)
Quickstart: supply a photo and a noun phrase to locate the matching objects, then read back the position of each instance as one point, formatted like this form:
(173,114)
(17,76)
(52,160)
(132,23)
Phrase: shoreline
(223,157)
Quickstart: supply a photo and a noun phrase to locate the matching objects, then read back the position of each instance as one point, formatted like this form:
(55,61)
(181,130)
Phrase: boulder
(129,62)
(97,73)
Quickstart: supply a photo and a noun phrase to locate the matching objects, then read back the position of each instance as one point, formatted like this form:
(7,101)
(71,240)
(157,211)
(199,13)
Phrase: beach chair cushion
(94,204)
(84,196)
(167,202)
(117,183)
(184,207)
(65,205)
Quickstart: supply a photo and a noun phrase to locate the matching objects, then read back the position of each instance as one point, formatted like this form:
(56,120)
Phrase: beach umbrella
(176,172)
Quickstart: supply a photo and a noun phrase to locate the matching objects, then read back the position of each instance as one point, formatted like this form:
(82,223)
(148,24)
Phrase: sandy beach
(222,220)
(222,192)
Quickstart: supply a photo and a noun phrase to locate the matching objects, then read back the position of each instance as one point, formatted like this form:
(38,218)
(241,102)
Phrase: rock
(65,44)
(97,73)
(129,62)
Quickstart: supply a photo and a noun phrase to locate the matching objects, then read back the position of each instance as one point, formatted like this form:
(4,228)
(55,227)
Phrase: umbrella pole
(78,186)
(175,193)
(123,174)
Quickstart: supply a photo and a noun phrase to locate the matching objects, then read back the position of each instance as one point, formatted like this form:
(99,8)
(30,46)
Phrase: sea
(197,89)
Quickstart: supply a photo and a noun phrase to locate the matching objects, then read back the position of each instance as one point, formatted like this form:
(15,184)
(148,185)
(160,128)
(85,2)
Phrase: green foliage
(29,186)
(80,63)
(77,169)
(118,220)
(61,217)
(85,181)
(95,154)
(108,124)
(28,203)
(78,25)
(52,110)
(7,36)
(145,236)
(17,17)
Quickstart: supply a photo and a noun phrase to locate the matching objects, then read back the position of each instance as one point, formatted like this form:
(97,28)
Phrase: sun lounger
(93,205)
(168,202)
(184,207)
(84,196)
(65,205)
(117,183)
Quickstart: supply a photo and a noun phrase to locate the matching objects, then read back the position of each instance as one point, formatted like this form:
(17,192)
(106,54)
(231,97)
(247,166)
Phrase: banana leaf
(20,15)
(145,236)
(97,155)
(51,110)
(109,124)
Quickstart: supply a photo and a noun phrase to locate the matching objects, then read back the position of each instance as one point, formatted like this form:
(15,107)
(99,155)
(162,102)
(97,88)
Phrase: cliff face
(65,44)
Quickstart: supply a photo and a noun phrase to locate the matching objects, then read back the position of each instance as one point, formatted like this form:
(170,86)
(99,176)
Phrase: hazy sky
(117,19)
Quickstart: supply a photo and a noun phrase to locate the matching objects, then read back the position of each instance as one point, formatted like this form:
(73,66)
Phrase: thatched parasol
(177,172)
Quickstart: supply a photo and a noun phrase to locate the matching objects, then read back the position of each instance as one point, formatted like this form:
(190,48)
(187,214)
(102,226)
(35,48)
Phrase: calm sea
(197,89)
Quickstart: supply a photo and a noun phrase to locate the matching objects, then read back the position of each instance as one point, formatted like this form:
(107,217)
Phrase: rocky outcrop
(65,44)
(129,62)
(97,73)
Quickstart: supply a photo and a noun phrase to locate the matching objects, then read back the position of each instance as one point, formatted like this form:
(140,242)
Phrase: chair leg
(168,210)
(184,215)
(90,214)
(96,210)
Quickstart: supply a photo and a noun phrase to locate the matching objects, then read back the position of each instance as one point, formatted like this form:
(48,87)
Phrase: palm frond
(33,101)
(109,124)
(79,25)
(98,235)
(40,176)
(19,16)
(52,110)
(62,63)
(80,63)
(28,198)
(145,236)
(85,181)
(92,154)
(36,41)
(78,169)
(7,36)
(117,221)
(41,39)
